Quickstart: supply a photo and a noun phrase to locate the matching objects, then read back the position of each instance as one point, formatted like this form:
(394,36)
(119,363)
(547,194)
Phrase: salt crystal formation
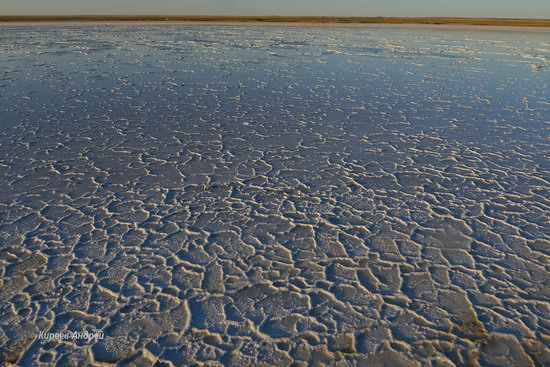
(270,195)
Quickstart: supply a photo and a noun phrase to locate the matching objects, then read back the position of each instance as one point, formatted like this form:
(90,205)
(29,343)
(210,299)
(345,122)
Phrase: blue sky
(466,8)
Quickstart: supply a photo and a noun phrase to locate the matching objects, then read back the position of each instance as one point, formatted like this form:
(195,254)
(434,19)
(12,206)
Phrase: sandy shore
(282,19)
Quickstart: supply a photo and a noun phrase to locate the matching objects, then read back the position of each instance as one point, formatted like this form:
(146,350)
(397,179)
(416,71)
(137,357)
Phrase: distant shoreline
(282,19)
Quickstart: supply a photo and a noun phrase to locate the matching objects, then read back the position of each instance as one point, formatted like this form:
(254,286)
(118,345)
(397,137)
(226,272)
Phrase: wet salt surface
(268,195)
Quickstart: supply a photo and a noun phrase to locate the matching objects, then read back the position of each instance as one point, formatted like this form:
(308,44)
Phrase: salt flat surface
(253,195)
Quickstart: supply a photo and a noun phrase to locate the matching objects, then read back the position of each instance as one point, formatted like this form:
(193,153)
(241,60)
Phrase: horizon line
(520,22)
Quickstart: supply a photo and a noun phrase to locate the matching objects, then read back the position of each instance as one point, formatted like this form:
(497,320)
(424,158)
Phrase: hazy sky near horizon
(459,8)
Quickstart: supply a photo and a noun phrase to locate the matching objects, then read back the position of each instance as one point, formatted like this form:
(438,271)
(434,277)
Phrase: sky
(400,8)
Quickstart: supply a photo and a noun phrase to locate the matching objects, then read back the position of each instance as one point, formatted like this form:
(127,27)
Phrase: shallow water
(267,195)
